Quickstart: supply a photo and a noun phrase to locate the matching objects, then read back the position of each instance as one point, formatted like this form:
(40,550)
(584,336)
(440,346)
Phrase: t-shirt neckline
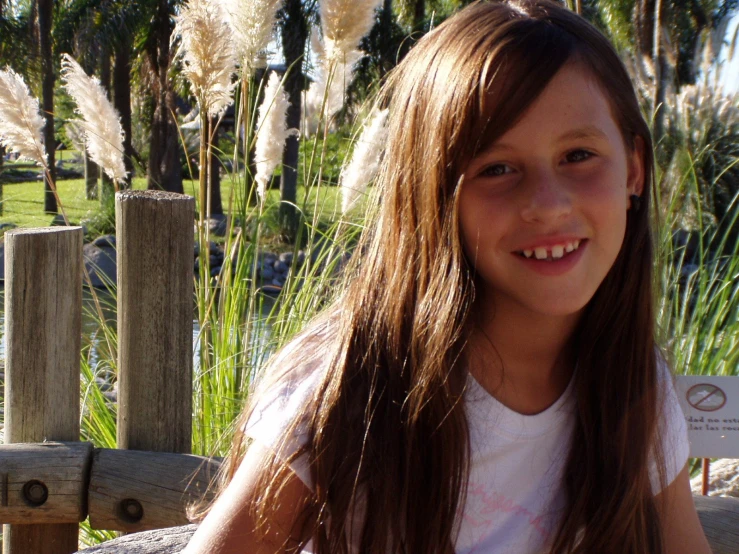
(506,421)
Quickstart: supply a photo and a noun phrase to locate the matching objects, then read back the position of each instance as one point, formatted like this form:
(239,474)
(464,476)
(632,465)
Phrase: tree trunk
(164,170)
(45,14)
(294,37)
(122,101)
(644,27)
(2,160)
(419,15)
(660,74)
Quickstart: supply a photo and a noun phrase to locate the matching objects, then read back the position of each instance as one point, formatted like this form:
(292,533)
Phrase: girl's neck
(524,359)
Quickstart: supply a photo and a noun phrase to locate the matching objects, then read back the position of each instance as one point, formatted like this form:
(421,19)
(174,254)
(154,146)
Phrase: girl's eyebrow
(587,132)
(579,133)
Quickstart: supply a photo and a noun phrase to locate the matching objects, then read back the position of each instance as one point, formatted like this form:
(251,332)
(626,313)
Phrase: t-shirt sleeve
(672,431)
(276,410)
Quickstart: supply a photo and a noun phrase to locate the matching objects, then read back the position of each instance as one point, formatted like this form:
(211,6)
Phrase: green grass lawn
(23,203)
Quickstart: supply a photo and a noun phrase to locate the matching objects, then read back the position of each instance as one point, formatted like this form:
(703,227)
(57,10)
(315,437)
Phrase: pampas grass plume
(21,124)
(365,160)
(252,23)
(100,121)
(206,49)
(328,90)
(344,23)
(272,132)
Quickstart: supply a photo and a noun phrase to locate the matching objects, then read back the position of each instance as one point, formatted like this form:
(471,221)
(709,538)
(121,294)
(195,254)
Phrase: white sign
(711,408)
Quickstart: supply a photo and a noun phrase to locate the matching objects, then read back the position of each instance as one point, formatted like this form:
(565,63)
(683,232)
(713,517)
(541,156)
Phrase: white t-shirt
(515,493)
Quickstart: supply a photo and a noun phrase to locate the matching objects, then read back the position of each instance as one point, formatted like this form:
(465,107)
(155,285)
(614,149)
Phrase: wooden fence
(49,480)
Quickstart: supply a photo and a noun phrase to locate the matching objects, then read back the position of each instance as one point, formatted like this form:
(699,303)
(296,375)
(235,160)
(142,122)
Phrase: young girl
(489,381)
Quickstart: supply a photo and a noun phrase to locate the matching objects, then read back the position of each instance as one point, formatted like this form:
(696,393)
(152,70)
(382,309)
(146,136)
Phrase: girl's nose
(547,198)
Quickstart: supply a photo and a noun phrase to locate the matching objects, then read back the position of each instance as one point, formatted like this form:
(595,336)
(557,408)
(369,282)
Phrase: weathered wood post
(154,231)
(43,315)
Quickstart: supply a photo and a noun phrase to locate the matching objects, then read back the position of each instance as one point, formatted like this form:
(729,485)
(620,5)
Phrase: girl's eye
(578,156)
(496,170)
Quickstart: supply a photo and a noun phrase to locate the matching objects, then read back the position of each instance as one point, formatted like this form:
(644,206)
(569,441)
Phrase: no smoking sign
(706,397)
(711,408)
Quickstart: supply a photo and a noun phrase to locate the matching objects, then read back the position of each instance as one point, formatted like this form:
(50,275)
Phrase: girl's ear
(635,178)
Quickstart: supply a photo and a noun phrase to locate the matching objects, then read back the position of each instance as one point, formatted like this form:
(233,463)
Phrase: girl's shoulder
(672,432)
(281,402)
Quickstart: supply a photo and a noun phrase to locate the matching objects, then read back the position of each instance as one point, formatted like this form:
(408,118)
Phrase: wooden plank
(43,311)
(720,519)
(57,470)
(135,491)
(155,306)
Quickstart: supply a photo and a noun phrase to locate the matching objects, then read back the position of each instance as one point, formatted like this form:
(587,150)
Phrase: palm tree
(164,171)
(681,24)
(106,31)
(293,20)
(44,18)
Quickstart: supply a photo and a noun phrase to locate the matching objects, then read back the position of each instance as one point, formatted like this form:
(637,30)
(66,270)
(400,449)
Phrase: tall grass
(698,308)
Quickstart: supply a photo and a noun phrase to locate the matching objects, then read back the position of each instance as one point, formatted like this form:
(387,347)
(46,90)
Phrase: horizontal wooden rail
(133,490)
(44,483)
(121,490)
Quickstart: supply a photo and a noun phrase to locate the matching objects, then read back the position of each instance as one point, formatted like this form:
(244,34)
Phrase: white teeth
(554,252)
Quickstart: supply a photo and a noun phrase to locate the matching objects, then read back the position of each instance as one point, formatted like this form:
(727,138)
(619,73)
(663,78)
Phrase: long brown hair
(388,417)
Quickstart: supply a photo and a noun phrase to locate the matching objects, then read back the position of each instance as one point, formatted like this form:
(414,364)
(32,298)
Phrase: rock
(160,541)
(301,257)
(689,241)
(218,225)
(267,273)
(7,226)
(102,384)
(215,271)
(279,280)
(100,264)
(723,479)
(281,267)
(286,257)
(214,248)
(105,241)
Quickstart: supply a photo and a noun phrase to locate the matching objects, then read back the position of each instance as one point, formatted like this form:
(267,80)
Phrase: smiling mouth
(551,253)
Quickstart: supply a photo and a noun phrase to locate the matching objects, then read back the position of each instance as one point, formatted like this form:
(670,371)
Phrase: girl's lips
(559,266)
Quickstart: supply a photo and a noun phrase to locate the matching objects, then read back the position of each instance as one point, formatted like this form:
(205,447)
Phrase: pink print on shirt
(491,502)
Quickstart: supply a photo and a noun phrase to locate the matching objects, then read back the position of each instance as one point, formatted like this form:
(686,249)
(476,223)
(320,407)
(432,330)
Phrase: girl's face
(543,210)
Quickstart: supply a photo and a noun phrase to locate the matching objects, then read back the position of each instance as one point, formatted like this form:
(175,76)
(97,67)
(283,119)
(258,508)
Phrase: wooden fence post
(43,317)
(155,312)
